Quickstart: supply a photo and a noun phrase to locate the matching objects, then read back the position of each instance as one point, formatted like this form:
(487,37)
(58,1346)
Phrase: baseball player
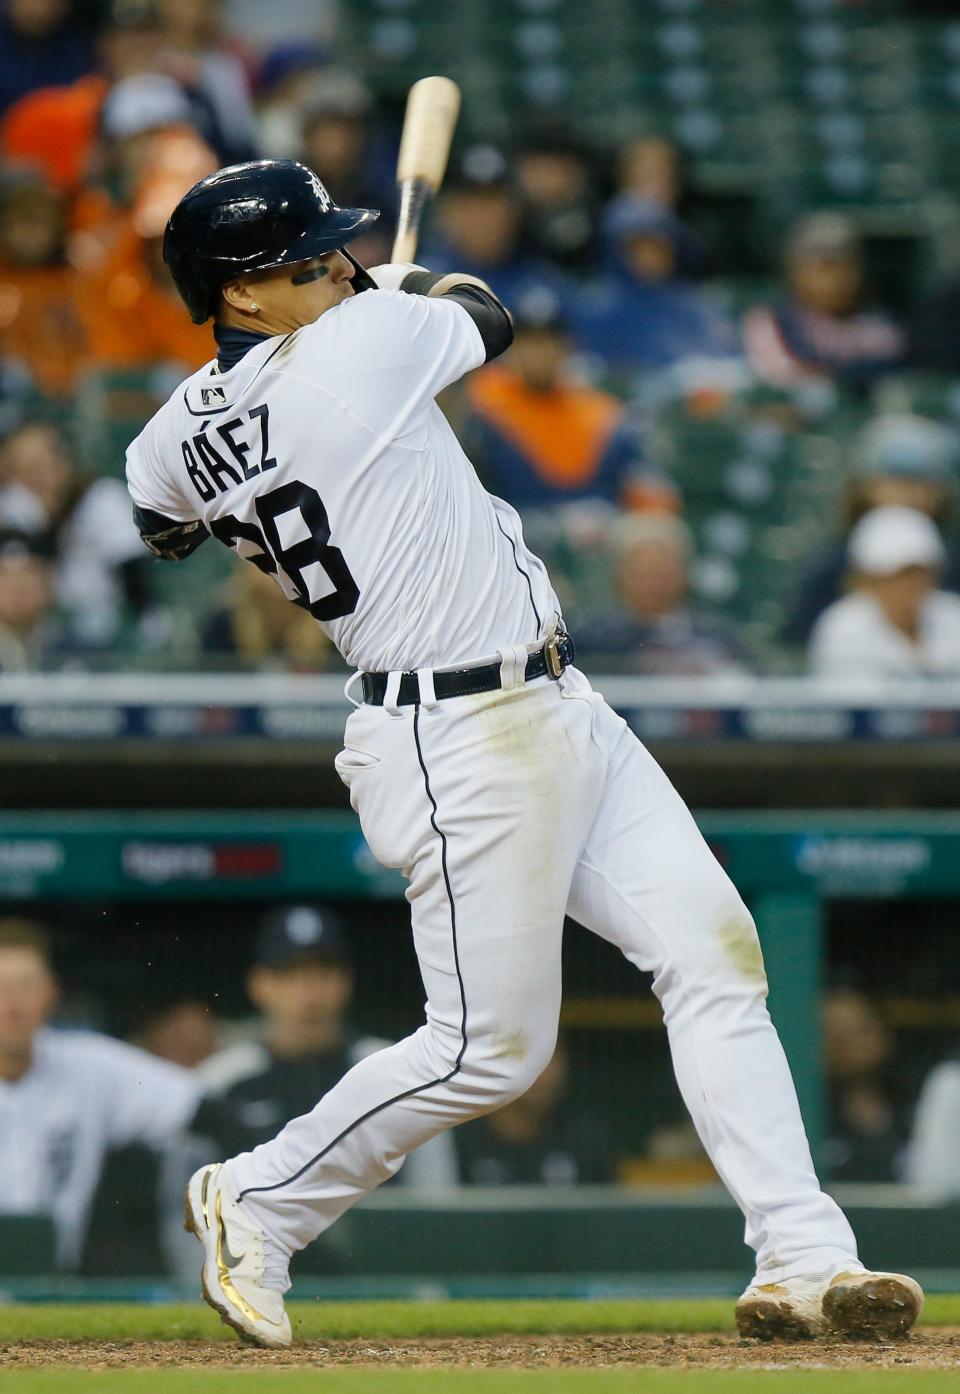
(68,1097)
(479,759)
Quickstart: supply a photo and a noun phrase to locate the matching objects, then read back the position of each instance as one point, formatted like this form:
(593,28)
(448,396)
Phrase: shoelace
(276,1268)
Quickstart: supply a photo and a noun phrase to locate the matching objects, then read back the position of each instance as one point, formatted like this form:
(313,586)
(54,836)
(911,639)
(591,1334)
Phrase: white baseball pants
(505,811)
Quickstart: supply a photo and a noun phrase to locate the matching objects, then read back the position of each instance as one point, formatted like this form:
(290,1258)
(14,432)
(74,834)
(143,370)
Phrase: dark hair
(25,934)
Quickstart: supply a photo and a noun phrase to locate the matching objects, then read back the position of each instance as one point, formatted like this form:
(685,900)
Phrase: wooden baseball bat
(432,109)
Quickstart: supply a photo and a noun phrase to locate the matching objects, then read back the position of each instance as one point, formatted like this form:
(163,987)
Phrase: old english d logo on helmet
(252,217)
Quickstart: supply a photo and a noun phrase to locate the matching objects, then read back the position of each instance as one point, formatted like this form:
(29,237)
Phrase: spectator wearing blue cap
(644,315)
(541,438)
(898,460)
(301,983)
(653,167)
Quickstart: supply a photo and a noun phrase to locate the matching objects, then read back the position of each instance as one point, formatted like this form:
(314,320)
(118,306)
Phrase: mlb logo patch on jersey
(212,396)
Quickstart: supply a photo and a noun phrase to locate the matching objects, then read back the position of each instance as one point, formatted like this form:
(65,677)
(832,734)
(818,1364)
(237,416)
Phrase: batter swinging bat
(432,109)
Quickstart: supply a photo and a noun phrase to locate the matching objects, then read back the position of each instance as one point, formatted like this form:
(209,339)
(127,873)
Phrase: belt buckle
(551,653)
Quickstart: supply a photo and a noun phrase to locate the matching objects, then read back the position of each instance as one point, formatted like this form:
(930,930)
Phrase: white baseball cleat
(244,1276)
(883,1305)
(853,1303)
(787,1311)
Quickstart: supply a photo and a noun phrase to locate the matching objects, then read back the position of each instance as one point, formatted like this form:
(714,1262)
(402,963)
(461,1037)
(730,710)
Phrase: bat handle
(413,197)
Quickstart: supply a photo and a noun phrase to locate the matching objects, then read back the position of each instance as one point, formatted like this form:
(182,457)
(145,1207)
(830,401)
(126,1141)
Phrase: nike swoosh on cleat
(223,1249)
(226,1261)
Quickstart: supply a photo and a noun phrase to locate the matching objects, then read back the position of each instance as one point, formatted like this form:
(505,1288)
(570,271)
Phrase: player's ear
(237,295)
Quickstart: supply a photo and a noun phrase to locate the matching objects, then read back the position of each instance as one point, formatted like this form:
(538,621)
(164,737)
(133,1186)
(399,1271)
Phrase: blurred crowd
(100,1134)
(727,472)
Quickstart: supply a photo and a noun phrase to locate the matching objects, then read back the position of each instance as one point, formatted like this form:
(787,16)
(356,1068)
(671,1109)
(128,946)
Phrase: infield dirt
(937,1349)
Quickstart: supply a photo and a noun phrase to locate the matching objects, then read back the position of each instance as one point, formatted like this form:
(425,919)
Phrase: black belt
(550,661)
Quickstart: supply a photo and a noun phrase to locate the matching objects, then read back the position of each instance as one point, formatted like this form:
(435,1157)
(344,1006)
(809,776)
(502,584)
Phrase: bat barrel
(432,108)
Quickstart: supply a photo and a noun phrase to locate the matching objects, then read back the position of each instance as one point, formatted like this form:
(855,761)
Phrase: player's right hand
(390,274)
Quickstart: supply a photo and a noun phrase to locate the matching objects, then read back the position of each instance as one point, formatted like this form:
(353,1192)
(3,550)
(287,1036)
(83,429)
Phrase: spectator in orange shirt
(127,300)
(39,325)
(56,127)
(541,438)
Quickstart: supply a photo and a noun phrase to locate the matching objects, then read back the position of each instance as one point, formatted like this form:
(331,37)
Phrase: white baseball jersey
(83,1094)
(323,458)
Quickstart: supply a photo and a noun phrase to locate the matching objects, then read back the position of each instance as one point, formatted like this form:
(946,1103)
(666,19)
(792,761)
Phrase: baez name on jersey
(240,452)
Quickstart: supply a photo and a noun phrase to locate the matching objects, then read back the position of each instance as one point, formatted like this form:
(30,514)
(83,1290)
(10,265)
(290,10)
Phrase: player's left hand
(390,274)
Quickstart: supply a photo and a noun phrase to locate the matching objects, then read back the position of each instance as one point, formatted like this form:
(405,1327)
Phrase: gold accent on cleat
(203,1196)
(226,1261)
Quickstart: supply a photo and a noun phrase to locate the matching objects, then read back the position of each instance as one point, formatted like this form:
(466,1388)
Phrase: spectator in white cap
(895,623)
(897,459)
(144,103)
(134,113)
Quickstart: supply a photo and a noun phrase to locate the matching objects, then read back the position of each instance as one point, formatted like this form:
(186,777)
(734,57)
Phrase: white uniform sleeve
(933,1158)
(397,352)
(150,487)
(145,1099)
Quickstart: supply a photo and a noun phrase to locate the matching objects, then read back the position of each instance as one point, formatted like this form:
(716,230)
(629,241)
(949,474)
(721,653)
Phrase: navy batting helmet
(252,217)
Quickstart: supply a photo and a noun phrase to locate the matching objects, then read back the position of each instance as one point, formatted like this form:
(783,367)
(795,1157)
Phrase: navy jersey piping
(524,574)
(430,1084)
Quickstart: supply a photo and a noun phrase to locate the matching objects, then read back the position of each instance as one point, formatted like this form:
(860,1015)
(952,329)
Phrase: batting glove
(390,274)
